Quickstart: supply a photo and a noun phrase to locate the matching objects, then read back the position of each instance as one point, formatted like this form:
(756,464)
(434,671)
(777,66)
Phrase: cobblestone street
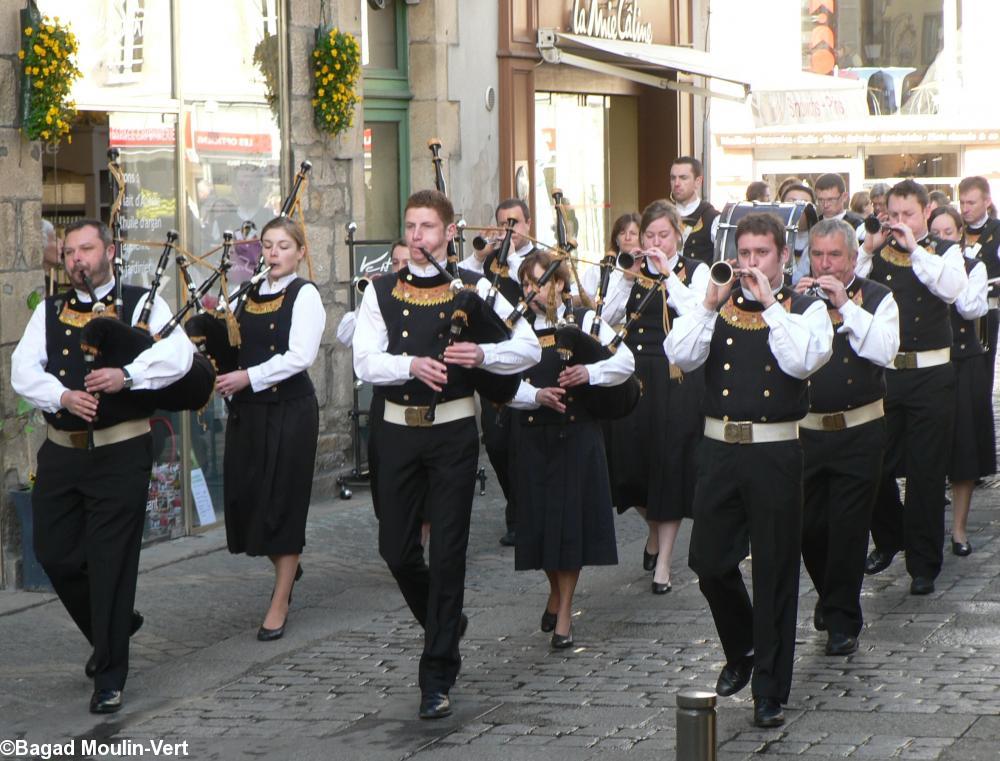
(341,684)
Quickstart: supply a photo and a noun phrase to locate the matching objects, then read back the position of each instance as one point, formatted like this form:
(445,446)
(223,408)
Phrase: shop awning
(663,66)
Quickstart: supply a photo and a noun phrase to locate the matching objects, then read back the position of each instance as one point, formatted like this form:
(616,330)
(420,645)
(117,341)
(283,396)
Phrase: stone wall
(20,273)
(334,197)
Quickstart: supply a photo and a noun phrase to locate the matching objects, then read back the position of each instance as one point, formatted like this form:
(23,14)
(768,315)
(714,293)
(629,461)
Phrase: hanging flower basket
(48,70)
(336,66)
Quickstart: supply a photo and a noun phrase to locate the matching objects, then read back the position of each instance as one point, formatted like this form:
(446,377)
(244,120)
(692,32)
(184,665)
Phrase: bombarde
(723,272)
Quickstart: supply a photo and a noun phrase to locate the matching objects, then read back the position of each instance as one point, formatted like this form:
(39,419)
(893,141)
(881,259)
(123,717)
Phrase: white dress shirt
(874,337)
(972,302)
(683,298)
(801,343)
(164,362)
(304,336)
(471,264)
(345,330)
(944,274)
(608,372)
(372,363)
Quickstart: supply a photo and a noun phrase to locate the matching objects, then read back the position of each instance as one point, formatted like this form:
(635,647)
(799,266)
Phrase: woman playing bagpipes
(274,419)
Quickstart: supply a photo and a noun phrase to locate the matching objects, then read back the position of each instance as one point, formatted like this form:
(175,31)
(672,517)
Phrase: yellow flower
(48,120)
(39,84)
(20,54)
(325,68)
(28,31)
(337,66)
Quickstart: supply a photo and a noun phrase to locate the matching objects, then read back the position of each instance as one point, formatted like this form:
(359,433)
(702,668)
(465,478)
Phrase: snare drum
(796,216)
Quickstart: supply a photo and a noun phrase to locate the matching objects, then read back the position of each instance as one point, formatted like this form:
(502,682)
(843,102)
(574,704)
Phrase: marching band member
(983,230)
(565,520)
(272,431)
(973,451)
(758,346)
(89,505)
(925,279)
(624,237)
(843,436)
(653,448)
(427,467)
(699,218)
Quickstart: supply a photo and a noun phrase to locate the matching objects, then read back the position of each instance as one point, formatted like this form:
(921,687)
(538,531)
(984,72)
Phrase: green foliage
(336,63)
(48,69)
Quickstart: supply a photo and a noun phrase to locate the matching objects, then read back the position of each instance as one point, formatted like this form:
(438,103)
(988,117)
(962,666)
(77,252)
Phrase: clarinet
(434,144)
(204,288)
(491,297)
(116,235)
(454,331)
(161,265)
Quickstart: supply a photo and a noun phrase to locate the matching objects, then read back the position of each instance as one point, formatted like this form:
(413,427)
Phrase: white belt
(102,438)
(838,421)
(918,360)
(446,412)
(993,302)
(745,432)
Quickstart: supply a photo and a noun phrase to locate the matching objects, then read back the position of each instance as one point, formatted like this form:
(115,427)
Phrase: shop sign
(611,20)
(141,137)
(861,138)
(807,107)
(232,142)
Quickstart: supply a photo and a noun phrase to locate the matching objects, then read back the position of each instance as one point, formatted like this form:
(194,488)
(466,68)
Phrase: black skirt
(564,515)
(653,449)
(973,449)
(269,463)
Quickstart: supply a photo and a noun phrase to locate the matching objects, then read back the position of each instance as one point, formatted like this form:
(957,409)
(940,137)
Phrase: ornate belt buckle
(834,422)
(738,433)
(414,417)
(78,439)
(905,360)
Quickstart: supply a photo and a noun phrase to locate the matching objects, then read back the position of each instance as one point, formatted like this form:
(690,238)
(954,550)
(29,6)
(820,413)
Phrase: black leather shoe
(90,668)
(648,561)
(962,549)
(560,642)
(661,589)
(269,635)
(921,585)
(106,701)
(878,560)
(509,539)
(734,676)
(840,644)
(548,622)
(819,621)
(767,712)
(434,705)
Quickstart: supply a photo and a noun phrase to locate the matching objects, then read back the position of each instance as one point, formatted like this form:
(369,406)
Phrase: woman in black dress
(274,420)
(564,515)
(973,449)
(653,448)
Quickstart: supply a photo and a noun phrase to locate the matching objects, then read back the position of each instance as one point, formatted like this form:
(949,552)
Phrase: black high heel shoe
(962,549)
(548,621)
(649,561)
(561,642)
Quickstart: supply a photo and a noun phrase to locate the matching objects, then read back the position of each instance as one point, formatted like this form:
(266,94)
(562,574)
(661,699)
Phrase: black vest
(65,316)
(698,244)
(417,315)
(988,238)
(924,322)
(546,374)
(743,379)
(647,334)
(265,325)
(848,381)
(507,284)
(965,337)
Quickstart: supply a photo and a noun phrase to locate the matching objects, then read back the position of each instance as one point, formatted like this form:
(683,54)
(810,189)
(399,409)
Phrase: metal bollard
(696,726)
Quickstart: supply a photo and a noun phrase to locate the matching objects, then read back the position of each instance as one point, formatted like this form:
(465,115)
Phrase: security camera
(377,5)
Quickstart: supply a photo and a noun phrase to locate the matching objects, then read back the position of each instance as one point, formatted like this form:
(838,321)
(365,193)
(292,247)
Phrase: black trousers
(842,473)
(919,416)
(429,474)
(88,510)
(750,495)
(497,437)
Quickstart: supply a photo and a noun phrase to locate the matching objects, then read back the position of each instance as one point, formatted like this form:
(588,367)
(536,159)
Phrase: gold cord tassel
(232,327)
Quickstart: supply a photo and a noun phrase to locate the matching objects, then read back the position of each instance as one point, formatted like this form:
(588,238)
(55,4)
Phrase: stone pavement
(341,684)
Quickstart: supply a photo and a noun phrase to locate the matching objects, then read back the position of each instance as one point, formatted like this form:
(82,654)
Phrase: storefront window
(382,205)
(896,46)
(570,154)
(378,37)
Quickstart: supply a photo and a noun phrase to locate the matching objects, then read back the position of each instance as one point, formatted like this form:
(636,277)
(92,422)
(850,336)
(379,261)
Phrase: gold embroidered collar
(895,256)
(835,316)
(407,293)
(70,316)
(265,307)
(746,319)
